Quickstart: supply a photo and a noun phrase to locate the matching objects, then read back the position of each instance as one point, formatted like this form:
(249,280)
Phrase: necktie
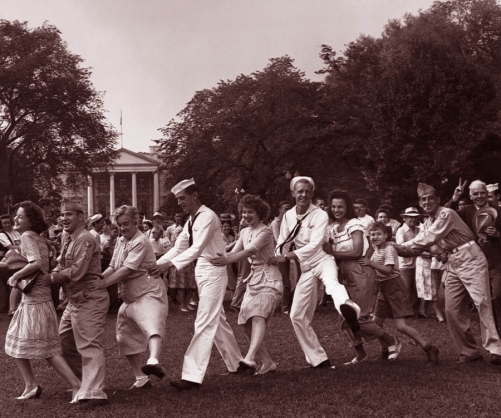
(65,249)
(293,233)
(190,230)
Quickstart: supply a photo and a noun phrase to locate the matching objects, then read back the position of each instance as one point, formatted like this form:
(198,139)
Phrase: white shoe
(394,350)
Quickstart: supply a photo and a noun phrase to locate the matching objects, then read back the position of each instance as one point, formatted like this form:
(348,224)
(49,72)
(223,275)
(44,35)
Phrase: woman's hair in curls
(129,211)
(341,194)
(255,202)
(35,215)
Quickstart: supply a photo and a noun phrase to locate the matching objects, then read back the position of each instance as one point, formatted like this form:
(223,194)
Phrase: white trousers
(210,326)
(305,303)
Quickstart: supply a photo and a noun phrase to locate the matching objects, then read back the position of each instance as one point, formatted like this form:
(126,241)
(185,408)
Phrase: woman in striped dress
(33,332)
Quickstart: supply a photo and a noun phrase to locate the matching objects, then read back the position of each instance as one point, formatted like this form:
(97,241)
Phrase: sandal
(394,350)
(357,361)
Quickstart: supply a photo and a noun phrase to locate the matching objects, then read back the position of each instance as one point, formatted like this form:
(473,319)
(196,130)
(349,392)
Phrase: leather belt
(462,247)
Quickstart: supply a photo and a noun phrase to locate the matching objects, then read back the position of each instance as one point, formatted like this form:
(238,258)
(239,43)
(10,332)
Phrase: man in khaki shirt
(467,274)
(83,320)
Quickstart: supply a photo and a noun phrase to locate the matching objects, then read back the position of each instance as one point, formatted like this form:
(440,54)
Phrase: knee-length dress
(144,311)
(33,331)
(359,281)
(264,283)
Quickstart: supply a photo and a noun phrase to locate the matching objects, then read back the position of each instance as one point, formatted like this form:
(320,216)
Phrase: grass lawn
(404,388)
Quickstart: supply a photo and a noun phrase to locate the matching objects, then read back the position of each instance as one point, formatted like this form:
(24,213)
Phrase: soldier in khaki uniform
(83,320)
(467,274)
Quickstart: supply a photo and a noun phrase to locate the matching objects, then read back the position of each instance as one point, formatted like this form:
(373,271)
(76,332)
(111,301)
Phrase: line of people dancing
(354,259)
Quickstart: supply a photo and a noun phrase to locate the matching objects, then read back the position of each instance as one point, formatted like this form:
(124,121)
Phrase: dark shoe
(147,385)
(326,364)
(350,314)
(432,354)
(184,384)
(239,370)
(495,359)
(247,366)
(91,403)
(384,355)
(34,394)
(469,359)
(154,369)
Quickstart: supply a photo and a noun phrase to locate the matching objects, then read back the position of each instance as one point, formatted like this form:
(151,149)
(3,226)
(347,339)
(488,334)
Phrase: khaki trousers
(467,274)
(81,329)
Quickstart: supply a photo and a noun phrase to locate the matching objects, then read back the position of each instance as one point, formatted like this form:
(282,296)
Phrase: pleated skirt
(33,332)
(263,295)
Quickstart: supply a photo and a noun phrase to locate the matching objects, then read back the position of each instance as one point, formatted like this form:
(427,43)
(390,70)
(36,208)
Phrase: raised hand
(459,190)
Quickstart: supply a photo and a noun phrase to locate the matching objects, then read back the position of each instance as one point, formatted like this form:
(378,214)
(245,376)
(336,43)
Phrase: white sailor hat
(492,187)
(298,178)
(95,218)
(182,185)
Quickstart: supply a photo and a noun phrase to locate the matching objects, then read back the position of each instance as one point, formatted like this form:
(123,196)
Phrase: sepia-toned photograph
(250,208)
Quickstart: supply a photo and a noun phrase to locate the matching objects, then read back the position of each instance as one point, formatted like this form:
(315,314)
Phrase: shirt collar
(310,209)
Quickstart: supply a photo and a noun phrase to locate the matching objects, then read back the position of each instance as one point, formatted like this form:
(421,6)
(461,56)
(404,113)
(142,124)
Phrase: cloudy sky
(149,57)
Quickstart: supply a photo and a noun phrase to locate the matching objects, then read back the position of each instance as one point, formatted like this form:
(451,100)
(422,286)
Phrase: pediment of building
(129,161)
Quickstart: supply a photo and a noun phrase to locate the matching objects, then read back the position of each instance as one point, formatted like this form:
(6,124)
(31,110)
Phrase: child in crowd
(391,301)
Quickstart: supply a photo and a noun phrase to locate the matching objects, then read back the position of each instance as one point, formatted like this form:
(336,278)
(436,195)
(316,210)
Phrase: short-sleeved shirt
(34,248)
(261,239)
(160,246)
(10,238)
(404,234)
(343,241)
(138,255)
(97,237)
(386,255)
(172,232)
(82,256)
(367,221)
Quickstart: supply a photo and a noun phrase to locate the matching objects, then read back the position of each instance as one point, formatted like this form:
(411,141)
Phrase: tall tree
(252,133)
(422,97)
(51,117)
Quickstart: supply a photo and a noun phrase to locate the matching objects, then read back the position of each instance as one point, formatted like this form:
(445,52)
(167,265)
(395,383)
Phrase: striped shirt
(386,255)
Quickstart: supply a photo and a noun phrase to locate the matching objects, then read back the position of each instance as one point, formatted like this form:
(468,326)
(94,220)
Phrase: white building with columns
(134,179)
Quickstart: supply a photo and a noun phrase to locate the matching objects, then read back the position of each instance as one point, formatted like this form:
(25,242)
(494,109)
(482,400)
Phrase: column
(112,194)
(134,190)
(90,197)
(156,196)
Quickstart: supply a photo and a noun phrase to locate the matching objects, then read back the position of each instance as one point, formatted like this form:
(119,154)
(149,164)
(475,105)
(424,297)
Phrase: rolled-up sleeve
(432,233)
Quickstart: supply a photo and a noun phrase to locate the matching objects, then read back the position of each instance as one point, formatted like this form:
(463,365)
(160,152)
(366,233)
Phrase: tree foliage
(250,132)
(51,118)
(422,100)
